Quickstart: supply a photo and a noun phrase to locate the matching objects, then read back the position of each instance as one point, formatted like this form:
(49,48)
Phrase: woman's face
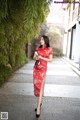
(42,41)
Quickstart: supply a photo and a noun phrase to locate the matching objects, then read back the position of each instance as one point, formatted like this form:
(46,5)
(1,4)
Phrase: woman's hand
(43,58)
(36,57)
(39,57)
(46,59)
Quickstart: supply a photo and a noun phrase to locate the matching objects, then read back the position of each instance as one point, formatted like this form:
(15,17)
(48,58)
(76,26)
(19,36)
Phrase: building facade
(71,45)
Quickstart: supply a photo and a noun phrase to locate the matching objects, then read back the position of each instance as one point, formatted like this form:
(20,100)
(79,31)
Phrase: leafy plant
(57,52)
(20,21)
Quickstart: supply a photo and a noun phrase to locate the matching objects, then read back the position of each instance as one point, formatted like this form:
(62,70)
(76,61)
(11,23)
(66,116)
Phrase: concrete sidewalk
(75,66)
(61,97)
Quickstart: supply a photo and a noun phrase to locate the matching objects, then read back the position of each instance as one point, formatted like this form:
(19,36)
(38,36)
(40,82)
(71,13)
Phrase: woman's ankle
(38,109)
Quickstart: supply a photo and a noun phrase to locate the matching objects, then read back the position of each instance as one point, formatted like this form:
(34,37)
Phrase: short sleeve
(36,49)
(50,51)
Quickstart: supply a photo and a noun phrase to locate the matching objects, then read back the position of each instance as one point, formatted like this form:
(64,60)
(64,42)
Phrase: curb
(71,65)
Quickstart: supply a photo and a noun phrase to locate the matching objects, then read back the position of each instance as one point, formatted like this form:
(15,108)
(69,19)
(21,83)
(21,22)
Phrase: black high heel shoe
(37,115)
(36,108)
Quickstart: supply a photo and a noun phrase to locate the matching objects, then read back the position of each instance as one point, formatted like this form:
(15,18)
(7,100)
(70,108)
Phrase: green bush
(5,73)
(57,52)
(20,21)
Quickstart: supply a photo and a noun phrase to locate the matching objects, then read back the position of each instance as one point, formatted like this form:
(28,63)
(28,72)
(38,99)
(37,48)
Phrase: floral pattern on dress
(40,73)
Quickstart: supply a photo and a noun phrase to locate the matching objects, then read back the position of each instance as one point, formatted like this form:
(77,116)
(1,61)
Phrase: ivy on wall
(20,21)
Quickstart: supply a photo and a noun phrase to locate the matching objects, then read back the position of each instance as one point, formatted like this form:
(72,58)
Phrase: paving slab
(20,107)
(50,90)
(61,99)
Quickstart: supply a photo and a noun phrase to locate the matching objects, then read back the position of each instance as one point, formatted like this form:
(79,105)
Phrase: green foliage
(57,52)
(3,9)
(20,21)
(5,73)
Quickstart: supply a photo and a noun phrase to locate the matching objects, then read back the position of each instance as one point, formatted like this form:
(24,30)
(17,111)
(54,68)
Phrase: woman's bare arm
(46,59)
(35,57)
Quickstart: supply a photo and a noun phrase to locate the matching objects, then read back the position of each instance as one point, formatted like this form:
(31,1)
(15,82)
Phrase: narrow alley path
(61,97)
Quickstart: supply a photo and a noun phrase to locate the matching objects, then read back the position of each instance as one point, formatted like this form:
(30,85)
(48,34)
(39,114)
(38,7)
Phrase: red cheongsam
(40,68)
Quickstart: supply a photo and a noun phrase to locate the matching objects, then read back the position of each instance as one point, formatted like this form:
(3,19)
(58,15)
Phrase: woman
(42,55)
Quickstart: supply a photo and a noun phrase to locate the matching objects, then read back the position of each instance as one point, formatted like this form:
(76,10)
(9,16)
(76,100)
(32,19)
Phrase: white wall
(65,44)
(77,43)
(73,44)
(69,44)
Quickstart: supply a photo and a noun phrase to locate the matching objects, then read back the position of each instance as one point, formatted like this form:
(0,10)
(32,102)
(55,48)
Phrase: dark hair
(46,40)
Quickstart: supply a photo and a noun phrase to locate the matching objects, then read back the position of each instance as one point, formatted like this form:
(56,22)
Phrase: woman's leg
(43,88)
(39,100)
